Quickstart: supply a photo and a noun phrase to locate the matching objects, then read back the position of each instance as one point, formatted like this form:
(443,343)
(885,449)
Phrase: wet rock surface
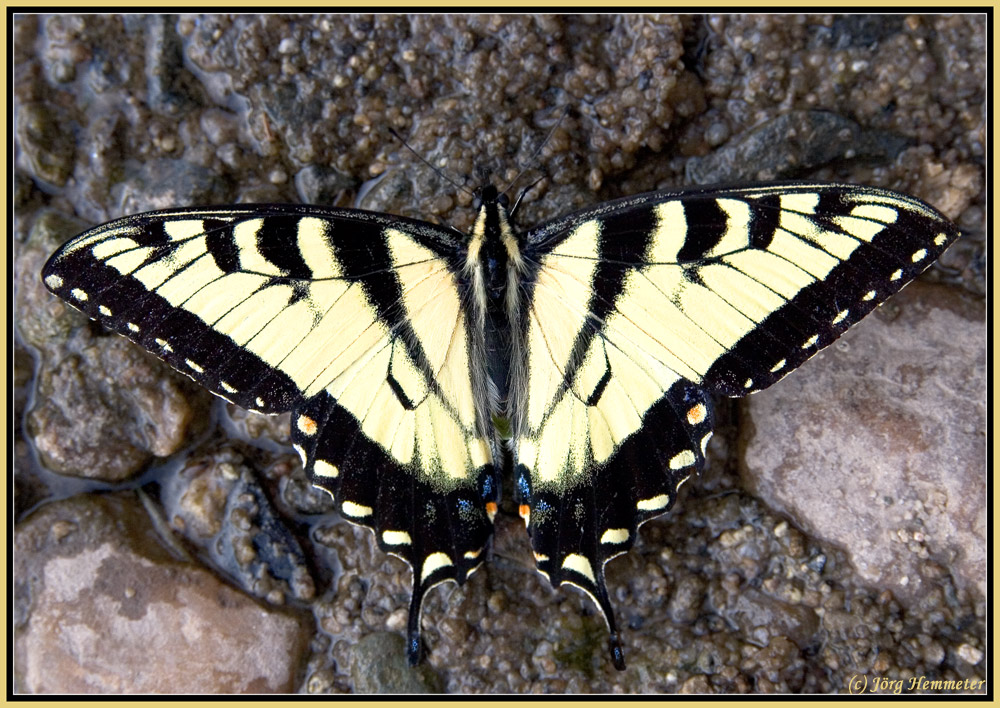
(742,588)
(218,503)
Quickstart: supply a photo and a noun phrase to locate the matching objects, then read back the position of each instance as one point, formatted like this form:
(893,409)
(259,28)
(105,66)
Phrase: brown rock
(103,608)
(106,411)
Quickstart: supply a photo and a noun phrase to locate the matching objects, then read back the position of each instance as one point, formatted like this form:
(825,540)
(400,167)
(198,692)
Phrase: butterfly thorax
(490,226)
(494,263)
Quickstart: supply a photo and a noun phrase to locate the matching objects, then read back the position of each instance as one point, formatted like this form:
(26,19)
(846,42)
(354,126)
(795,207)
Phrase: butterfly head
(488,195)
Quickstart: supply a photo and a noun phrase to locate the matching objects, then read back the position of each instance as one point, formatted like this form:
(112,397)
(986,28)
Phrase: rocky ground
(169,543)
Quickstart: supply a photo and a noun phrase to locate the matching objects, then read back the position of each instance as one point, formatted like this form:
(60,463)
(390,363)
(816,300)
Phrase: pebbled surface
(724,594)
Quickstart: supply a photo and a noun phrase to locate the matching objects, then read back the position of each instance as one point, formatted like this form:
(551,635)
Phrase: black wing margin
(98,273)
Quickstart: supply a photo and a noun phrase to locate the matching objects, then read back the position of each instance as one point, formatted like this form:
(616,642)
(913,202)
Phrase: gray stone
(380,667)
(879,445)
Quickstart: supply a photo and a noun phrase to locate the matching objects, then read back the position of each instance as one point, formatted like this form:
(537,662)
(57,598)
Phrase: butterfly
(415,359)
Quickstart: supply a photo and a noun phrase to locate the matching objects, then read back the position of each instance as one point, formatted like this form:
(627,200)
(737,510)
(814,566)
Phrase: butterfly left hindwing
(353,321)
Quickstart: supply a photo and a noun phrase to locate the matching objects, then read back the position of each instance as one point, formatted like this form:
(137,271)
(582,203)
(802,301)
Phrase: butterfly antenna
(535,154)
(520,197)
(437,171)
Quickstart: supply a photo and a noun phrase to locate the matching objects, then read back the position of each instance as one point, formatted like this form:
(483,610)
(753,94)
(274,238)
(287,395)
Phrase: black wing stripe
(568,370)
(706,224)
(616,333)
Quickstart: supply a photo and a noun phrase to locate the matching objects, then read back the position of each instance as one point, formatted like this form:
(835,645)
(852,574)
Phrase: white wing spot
(704,443)
(938,241)
(539,557)
(841,316)
(748,383)
(104,311)
(322,468)
(811,341)
(226,387)
(778,367)
(132,326)
(302,453)
(579,564)
(194,367)
(696,414)
(654,503)
(54,281)
(306,425)
(472,555)
(920,255)
(164,344)
(259,401)
(353,509)
(79,294)
(396,538)
(433,562)
(870,295)
(614,536)
(896,276)
(682,460)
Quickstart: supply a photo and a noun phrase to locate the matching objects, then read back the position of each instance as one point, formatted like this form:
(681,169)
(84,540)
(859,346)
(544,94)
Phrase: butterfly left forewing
(353,321)
(640,308)
(164,282)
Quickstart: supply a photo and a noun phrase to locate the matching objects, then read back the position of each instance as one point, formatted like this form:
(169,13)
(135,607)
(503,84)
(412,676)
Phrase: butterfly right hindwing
(641,307)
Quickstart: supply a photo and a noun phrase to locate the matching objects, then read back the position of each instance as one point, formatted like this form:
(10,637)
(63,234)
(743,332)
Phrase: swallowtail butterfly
(594,342)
